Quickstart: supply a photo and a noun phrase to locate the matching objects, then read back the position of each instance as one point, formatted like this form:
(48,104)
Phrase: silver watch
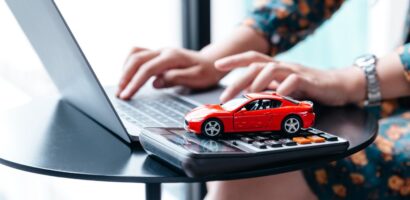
(368,64)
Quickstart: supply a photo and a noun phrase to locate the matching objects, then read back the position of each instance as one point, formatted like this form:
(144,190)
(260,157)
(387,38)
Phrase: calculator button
(261,138)
(274,137)
(316,139)
(301,140)
(273,143)
(305,134)
(247,139)
(259,145)
(314,131)
(328,137)
(287,142)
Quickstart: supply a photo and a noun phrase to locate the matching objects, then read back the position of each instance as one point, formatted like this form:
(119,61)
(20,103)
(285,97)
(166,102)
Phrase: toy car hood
(204,111)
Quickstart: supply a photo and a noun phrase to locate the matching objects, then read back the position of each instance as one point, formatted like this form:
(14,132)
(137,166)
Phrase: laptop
(66,64)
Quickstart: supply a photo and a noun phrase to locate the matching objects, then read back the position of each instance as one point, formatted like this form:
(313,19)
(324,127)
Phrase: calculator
(199,156)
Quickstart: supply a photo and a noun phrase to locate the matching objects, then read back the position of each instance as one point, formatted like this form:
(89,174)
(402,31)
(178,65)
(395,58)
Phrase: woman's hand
(170,67)
(335,87)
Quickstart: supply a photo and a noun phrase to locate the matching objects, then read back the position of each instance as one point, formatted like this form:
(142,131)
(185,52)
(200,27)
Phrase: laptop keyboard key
(164,111)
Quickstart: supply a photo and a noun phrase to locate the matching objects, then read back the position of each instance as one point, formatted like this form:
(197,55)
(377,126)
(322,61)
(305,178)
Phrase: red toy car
(254,112)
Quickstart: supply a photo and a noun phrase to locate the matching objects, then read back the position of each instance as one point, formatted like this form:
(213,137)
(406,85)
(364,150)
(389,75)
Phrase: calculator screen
(195,144)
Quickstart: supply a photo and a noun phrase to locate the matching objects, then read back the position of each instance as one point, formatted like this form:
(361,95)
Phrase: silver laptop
(70,71)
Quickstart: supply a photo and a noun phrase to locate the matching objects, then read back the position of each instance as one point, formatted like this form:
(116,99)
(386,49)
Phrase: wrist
(354,84)
(208,56)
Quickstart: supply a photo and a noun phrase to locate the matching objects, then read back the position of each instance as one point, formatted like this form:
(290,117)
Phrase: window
(254,105)
(276,103)
(266,104)
(269,104)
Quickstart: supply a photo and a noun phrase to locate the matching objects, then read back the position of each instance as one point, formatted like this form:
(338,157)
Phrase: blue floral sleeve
(404,53)
(286,22)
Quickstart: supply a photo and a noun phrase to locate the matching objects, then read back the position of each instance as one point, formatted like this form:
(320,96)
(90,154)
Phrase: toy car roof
(270,95)
(258,95)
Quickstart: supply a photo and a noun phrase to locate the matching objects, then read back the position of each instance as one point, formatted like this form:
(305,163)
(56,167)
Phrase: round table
(50,137)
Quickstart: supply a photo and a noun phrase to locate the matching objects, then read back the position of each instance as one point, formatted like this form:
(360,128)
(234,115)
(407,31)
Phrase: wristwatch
(368,64)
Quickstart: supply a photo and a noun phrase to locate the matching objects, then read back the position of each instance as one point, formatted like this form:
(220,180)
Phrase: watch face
(366,60)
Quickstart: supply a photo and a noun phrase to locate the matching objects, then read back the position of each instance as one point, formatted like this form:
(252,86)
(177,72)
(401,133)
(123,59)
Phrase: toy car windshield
(234,103)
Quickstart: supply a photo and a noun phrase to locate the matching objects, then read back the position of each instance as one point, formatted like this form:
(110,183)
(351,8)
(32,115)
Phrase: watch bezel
(366,60)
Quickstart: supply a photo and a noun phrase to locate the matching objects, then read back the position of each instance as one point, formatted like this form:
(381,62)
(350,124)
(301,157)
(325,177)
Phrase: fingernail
(159,83)
(124,95)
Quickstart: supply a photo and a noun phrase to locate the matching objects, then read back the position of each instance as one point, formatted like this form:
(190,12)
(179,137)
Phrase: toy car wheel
(212,128)
(291,124)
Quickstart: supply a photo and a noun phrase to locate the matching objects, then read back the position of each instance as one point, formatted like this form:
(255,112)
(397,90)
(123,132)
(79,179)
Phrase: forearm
(393,83)
(390,71)
(242,39)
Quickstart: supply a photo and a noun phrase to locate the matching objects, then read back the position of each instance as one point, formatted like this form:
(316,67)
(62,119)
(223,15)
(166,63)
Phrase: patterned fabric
(404,53)
(286,22)
(381,171)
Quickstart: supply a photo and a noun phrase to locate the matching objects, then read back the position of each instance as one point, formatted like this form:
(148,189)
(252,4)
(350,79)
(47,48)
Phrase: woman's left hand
(331,87)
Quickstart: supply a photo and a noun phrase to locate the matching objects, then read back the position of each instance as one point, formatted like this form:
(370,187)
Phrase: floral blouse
(286,22)
(381,171)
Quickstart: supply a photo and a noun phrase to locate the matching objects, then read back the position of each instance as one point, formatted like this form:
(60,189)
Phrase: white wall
(386,25)
(225,16)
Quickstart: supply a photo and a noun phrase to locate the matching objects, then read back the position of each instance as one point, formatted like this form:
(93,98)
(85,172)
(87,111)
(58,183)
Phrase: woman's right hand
(330,87)
(170,66)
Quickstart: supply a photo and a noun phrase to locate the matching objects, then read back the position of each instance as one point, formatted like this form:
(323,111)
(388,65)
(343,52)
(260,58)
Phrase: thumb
(175,77)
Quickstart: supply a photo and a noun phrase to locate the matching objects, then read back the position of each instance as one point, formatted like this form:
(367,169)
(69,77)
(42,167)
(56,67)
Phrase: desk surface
(50,137)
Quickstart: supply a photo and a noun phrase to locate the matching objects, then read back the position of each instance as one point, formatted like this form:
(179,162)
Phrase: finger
(294,83)
(269,73)
(153,67)
(131,67)
(137,49)
(241,83)
(158,81)
(273,85)
(241,60)
(133,51)
(175,77)
(293,66)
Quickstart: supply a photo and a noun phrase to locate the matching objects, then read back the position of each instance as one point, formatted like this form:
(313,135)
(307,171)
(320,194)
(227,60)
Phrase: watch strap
(368,64)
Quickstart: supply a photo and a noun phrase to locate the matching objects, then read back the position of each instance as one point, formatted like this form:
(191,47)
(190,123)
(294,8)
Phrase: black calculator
(200,156)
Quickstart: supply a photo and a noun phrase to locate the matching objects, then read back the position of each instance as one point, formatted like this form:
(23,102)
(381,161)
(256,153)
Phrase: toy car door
(276,115)
(251,117)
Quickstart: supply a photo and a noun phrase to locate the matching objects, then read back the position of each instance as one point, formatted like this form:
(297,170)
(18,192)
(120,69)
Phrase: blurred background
(107,30)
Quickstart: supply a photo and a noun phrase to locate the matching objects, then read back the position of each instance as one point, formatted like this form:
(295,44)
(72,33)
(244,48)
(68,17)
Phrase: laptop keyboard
(152,111)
